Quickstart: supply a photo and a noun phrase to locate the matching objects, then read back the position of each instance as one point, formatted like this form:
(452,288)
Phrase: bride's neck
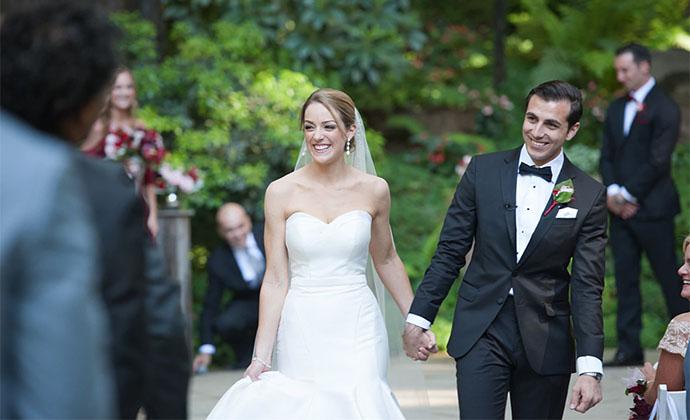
(331,174)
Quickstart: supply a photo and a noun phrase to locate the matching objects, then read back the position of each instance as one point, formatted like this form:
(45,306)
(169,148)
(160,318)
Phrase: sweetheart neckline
(332,221)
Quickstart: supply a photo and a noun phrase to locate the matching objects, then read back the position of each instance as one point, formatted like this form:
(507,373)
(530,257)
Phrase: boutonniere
(640,106)
(562,194)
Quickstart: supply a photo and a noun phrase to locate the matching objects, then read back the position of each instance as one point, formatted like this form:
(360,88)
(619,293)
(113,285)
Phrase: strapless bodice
(326,254)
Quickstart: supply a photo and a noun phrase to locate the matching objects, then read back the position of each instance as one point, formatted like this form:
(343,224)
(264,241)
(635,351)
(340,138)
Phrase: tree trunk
(152,10)
(500,12)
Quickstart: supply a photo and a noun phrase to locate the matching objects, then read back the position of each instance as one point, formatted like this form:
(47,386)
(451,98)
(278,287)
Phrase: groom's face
(545,128)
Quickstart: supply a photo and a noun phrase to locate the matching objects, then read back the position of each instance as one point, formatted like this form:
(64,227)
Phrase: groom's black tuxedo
(554,301)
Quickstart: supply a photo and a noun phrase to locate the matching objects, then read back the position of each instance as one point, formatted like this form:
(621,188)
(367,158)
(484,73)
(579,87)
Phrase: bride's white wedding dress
(331,348)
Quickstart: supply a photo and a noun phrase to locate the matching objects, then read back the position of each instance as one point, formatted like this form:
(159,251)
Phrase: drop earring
(347,147)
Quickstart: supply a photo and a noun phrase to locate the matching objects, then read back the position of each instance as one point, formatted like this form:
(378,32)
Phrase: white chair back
(670,404)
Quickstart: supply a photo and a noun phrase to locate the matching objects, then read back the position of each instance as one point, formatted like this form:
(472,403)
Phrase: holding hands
(418,344)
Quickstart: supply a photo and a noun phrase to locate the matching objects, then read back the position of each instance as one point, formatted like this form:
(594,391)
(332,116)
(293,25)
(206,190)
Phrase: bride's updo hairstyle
(338,103)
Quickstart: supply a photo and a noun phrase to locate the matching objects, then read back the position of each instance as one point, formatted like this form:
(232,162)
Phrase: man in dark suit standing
(535,280)
(237,265)
(640,133)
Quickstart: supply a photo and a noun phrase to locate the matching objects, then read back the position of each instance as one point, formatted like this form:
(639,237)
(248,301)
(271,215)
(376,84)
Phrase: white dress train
(331,348)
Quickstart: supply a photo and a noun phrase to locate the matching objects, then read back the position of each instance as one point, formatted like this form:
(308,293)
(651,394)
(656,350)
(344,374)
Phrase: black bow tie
(629,98)
(544,172)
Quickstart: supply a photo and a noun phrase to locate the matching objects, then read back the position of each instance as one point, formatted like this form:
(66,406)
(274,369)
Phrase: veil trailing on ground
(406,378)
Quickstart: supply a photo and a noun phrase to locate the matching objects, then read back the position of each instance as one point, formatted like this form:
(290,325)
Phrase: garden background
(224,80)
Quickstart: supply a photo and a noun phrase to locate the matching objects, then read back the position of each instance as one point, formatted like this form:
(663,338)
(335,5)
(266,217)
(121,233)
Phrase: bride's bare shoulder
(286,185)
(375,185)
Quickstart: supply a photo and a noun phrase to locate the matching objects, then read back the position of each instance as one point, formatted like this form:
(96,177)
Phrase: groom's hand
(418,343)
(586,393)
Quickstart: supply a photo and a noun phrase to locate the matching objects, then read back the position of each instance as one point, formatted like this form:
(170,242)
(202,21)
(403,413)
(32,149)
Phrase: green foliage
(223,107)
(445,154)
(681,176)
(419,202)
(584,157)
(138,38)
(341,43)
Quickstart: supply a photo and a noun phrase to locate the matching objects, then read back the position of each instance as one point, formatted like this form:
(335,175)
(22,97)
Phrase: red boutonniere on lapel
(562,194)
(641,114)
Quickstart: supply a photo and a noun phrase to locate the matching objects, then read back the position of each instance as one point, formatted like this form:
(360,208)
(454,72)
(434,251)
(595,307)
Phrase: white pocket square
(566,213)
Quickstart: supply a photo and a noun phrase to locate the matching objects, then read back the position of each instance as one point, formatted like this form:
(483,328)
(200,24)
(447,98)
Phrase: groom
(530,301)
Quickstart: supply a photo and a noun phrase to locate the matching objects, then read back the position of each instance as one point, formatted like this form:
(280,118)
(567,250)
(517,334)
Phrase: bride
(317,314)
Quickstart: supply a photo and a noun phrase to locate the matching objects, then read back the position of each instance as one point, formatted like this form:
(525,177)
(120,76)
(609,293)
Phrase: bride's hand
(255,369)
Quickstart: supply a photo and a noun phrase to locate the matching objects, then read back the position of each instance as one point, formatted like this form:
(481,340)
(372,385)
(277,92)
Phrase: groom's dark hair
(558,90)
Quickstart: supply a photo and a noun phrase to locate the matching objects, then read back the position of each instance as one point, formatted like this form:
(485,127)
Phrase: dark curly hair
(55,57)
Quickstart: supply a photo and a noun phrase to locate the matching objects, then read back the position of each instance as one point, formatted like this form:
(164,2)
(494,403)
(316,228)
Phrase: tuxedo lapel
(508,187)
(618,118)
(546,221)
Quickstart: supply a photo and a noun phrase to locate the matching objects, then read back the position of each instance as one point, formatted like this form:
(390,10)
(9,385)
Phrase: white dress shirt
(629,113)
(250,260)
(532,193)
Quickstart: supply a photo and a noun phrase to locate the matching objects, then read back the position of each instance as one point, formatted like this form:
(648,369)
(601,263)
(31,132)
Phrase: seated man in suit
(236,265)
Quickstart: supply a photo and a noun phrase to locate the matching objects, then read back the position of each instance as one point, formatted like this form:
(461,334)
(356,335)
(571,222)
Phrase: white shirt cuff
(628,197)
(207,349)
(589,364)
(613,189)
(418,321)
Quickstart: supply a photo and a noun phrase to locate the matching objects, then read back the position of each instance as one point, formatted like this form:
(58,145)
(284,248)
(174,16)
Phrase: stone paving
(439,374)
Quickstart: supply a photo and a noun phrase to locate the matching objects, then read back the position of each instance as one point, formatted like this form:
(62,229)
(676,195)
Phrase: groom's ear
(572,131)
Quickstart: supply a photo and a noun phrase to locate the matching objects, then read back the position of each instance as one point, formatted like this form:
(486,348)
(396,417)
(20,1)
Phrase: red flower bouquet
(637,386)
(140,150)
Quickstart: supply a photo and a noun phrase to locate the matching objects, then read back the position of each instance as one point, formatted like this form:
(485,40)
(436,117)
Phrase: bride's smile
(324,134)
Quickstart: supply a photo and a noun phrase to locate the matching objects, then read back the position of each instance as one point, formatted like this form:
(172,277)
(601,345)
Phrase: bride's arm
(386,260)
(275,282)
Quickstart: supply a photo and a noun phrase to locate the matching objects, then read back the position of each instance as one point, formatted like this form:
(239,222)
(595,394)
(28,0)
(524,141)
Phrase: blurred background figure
(73,46)
(237,266)
(674,344)
(56,60)
(640,133)
(118,135)
(152,354)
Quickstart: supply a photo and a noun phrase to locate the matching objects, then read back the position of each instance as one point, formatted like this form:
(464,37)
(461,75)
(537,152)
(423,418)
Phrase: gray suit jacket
(54,358)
